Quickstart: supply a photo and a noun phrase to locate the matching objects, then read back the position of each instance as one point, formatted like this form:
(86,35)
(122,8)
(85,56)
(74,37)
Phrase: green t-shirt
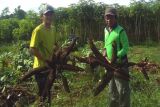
(119,36)
(43,39)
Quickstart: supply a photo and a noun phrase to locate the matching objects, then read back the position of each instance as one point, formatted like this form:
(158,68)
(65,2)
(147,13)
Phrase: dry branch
(32,72)
(55,67)
(112,69)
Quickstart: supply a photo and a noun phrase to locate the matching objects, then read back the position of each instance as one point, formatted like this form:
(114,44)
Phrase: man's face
(48,18)
(110,20)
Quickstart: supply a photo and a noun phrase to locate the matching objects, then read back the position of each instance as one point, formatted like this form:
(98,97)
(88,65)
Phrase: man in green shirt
(41,45)
(115,51)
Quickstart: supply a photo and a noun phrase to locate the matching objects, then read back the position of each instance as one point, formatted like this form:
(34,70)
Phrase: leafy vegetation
(13,62)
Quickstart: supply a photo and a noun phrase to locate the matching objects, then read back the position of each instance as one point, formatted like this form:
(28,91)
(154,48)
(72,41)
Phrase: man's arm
(114,52)
(35,38)
(36,53)
(125,45)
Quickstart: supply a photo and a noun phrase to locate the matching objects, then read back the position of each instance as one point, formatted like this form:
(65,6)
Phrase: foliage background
(140,19)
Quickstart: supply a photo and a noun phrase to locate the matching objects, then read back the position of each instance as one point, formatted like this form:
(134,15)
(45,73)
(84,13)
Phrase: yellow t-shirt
(43,39)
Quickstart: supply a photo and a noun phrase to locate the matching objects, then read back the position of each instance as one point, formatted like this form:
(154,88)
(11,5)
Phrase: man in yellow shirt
(41,45)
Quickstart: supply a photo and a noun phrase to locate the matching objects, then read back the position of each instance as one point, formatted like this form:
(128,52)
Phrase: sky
(34,4)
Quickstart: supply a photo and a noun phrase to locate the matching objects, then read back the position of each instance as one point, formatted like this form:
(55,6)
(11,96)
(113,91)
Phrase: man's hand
(108,60)
(105,55)
(104,52)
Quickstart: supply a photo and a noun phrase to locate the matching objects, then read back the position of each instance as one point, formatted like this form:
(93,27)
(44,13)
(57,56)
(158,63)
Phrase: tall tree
(19,13)
(5,13)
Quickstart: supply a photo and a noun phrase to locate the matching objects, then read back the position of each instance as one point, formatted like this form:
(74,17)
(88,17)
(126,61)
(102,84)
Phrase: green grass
(137,53)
